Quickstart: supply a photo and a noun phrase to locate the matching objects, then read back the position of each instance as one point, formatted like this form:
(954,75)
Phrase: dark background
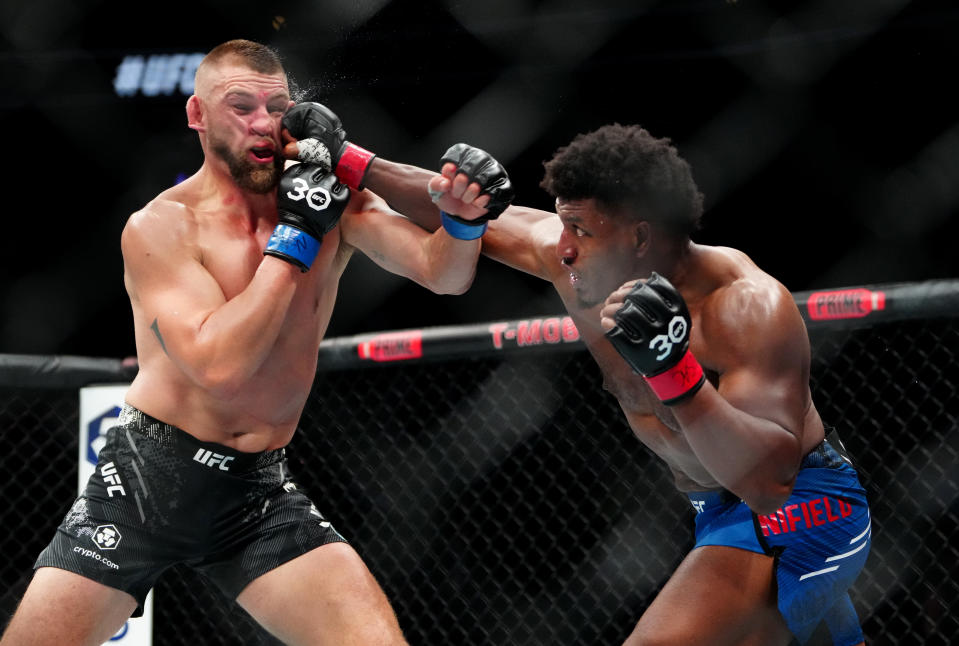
(823,134)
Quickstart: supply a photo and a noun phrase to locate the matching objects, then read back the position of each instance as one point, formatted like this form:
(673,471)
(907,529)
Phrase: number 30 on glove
(652,335)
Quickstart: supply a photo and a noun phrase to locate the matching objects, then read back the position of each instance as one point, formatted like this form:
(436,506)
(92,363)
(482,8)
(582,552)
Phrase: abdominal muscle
(671,446)
(652,422)
(261,416)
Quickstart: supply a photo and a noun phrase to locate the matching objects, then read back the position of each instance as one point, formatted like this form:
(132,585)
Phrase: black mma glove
(480,167)
(322,140)
(310,201)
(652,334)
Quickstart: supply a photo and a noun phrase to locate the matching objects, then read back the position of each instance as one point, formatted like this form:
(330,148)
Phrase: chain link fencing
(503,500)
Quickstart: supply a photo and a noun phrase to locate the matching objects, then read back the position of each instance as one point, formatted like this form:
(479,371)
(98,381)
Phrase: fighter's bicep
(766,392)
(170,287)
(525,239)
(764,358)
(388,239)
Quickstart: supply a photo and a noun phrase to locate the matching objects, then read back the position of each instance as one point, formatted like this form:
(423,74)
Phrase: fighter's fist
(480,167)
(310,201)
(321,139)
(319,133)
(648,323)
(472,189)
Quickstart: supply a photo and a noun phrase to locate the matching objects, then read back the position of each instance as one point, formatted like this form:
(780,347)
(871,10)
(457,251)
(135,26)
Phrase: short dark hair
(625,166)
(258,57)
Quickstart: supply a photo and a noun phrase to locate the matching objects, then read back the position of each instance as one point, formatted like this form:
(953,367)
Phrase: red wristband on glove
(352,166)
(679,382)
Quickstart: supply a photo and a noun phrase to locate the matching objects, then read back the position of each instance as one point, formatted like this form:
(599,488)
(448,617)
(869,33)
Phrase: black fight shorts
(160,497)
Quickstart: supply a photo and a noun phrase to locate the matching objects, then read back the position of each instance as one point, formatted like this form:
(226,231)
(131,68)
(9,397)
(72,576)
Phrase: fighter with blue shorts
(819,539)
(709,359)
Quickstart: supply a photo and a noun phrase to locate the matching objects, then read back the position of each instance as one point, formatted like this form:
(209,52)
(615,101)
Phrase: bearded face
(249,175)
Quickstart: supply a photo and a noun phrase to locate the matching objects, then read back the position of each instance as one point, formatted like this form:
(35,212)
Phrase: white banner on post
(99,412)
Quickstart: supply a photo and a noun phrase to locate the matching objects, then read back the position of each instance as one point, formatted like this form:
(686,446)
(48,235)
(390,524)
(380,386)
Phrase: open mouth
(262,153)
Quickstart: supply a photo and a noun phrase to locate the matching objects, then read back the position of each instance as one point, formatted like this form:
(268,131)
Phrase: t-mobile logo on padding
(212,459)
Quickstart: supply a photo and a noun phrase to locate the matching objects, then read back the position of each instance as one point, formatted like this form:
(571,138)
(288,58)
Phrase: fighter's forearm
(755,458)
(228,347)
(404,188)
(452,263)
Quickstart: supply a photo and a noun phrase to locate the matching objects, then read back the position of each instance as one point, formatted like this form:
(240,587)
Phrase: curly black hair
(625,166)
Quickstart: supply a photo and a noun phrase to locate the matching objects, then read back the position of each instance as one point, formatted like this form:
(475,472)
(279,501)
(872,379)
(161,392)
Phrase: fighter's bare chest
(233,262)
(643,409)
(635,397)
(653,423)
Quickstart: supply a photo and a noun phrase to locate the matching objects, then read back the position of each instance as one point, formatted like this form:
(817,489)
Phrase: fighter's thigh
(60,607)
(326,596)
(717,596)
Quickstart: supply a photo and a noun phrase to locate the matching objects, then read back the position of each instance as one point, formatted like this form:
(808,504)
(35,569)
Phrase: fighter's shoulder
(163,218)
(365,201)
(525,238)
(745,295)
(534,221)
(364,210)
(750,319)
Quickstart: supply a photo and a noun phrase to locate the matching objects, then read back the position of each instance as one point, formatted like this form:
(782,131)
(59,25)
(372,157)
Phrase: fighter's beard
(257,178)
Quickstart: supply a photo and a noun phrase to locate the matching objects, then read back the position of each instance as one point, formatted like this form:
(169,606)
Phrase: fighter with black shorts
(160,497)
(232,276)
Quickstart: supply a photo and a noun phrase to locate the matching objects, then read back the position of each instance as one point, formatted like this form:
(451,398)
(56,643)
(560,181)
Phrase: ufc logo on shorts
(212,459)
(109,473)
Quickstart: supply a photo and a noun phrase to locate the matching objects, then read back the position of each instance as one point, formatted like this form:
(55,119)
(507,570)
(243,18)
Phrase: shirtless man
(232,283)
(709,359)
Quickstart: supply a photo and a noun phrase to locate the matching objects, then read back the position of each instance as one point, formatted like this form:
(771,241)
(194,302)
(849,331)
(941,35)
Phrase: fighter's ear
(194,114)
(641,233)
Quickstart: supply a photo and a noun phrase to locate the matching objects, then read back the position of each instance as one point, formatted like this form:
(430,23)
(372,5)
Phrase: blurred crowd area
(823,134)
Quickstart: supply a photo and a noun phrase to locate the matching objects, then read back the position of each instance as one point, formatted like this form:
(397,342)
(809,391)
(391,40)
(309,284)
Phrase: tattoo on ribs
(156,330)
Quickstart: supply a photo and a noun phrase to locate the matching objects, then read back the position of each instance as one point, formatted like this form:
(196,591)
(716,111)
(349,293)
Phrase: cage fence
(500,498)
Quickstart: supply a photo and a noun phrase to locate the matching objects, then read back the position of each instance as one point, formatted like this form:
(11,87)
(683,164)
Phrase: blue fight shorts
(820,539)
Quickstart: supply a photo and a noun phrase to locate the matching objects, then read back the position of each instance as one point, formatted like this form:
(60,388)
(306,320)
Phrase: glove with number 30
(310,201)
(652,335)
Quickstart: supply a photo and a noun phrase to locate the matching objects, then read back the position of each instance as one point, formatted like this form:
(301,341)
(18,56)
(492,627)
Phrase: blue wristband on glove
(462,231)
(293,244)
